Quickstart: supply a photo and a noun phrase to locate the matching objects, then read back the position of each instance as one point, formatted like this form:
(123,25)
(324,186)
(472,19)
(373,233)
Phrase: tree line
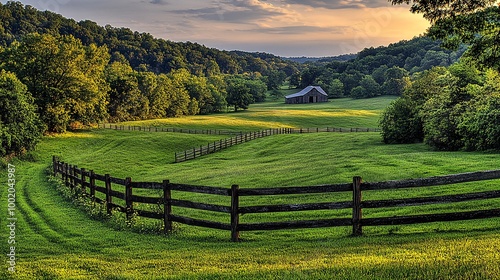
(51,83)
(376,71)
(454,108)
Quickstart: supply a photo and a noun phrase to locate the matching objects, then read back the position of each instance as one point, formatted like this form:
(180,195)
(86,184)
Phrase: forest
(59,74)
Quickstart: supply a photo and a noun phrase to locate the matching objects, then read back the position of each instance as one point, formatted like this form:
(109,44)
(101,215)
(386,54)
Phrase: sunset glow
(281,27)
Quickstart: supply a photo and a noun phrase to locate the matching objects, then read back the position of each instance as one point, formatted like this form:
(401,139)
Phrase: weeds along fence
(222,144)
(90,183)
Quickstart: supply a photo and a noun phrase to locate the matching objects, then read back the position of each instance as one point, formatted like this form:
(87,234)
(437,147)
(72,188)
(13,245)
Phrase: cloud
(301,30)
(238,11)
(343,4)
(159,2)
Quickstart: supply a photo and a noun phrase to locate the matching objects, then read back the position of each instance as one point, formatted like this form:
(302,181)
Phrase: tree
(238,94)
(275,79)
(401,123)
(475,23)
(336,89)
(359,92)
(126,100)
(370,85)
(65,78)
(20,126)
(397,79)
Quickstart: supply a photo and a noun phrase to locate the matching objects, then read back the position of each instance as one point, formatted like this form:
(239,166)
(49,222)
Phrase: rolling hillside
(57,240)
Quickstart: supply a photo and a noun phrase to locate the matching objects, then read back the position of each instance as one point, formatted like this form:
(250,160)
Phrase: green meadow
(59,239)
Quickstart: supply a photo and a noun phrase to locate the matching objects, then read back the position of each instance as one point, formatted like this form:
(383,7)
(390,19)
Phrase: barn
(311,94)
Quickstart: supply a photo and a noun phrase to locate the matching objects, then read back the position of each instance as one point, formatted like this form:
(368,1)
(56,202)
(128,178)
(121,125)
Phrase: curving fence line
(89,184)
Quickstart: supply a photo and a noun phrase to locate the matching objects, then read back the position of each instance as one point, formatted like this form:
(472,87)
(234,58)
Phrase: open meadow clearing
(57,240)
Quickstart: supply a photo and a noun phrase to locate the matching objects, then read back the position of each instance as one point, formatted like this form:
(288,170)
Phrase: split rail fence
(239,138)
(222,144)
(75,177)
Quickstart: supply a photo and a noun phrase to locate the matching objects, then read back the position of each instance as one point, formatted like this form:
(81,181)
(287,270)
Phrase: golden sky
(281,27)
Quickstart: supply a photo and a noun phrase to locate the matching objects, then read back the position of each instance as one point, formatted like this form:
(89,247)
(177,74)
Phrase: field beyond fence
(238,138)
(87,183)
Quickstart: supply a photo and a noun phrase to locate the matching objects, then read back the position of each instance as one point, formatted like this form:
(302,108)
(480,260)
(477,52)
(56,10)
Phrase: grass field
(57,240)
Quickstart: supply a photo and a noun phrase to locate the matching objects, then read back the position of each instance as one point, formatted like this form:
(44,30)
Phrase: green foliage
(480,124)
(20,126)
(396,80)
(441,115)
(65,78)
(389,66)
(140,50)
(370,85)
(457,108)
(401,123)
(475,23)
(239,94)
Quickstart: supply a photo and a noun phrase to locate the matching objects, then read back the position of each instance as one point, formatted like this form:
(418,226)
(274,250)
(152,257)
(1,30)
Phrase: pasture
(58,240)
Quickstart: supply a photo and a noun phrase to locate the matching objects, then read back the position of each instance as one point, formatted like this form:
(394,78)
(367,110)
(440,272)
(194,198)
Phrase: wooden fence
(222,144)
(169,129)
(231,132)
(86,181)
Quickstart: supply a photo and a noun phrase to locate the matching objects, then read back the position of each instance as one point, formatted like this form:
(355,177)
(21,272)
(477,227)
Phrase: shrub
(400,123)
(20,127)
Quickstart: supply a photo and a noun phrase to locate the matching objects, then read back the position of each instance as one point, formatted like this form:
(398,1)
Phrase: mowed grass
(56,240)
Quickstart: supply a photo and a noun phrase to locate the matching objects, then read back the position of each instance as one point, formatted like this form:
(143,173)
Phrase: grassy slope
(343,112)
(58,241)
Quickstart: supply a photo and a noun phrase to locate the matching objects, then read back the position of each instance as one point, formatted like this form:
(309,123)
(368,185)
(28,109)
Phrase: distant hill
(304,59)
(141,50)
(375,71)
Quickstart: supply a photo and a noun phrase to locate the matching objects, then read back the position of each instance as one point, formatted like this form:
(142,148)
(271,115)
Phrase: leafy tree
(238,94)
(401,122)
(275,79)
(475,23)
(336,89)
(20,126)
(359,92)
(370,85)
(65,78)
(397,79)
(480,124)
(126,100)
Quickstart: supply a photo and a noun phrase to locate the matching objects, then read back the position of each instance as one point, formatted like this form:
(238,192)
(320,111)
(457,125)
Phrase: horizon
(283,28)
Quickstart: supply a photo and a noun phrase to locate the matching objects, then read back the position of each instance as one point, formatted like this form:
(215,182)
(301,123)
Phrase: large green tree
(20,127)
(65,78)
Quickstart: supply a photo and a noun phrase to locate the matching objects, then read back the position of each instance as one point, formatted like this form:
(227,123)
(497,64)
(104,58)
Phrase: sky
(287,28)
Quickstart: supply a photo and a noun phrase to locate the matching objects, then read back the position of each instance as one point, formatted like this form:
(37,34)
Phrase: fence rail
(76,178)
(229,132)
(241,138)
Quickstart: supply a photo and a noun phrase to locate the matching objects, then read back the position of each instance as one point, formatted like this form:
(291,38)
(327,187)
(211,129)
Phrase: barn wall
(318,97)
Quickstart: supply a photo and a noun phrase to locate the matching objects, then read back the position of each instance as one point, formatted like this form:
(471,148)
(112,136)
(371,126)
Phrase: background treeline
(141,50)
(375,71)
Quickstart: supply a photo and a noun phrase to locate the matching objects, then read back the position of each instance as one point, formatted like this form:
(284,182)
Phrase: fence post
(72,176)
(92,185)
(357,229)
(128,197)
(109,198)
(83,179)
(54,165)
(167,206)
(235,216)
(66,174)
